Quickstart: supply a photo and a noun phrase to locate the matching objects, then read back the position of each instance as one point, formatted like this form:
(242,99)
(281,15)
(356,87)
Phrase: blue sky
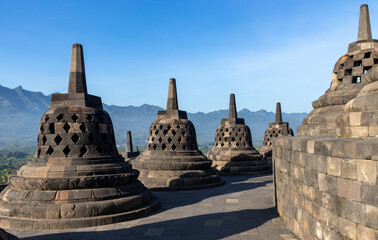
(263,51)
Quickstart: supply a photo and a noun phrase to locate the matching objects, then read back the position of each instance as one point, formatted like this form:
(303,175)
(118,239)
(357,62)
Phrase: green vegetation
(10,161)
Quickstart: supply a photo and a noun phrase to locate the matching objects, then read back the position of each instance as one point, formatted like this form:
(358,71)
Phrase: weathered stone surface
(233,151)
(172,160)
(77,177)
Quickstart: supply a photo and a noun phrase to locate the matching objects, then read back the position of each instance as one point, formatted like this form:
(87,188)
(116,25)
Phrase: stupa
(233,152)
(348,79)
(129,153)
(276,129)
(77,177)
(172,160)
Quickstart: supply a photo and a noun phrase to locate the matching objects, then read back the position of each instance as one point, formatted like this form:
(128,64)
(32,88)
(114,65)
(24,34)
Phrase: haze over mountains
(21,110)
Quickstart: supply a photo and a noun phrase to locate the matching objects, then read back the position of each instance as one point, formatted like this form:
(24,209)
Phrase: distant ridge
(21,110)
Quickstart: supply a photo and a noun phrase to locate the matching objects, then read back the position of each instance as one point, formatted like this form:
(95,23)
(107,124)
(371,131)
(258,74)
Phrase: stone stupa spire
(172,103)
(232,113)
(77,82)
(278,113)
(129,142)
(364,29)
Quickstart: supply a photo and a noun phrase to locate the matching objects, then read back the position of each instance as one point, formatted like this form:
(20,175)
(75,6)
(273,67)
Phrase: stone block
(310,146)
(355,118)
(327,183)
(372,216)
(329,201)
(355,211)
(348,228)
(334,166)
(369,193)
(365,233)
(321,163)
(349,189)
(367,171)
(349,169)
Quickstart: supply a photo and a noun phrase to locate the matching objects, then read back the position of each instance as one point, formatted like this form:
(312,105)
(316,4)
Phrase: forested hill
(21,110)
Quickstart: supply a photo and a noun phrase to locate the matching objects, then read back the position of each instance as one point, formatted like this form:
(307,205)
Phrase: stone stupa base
(44,213)
(176,171)
(236,162)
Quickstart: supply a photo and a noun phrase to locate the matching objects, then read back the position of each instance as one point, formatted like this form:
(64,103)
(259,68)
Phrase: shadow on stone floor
(207,226)
(234,184)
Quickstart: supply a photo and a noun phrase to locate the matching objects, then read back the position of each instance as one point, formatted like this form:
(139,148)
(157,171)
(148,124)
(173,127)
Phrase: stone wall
(326,188)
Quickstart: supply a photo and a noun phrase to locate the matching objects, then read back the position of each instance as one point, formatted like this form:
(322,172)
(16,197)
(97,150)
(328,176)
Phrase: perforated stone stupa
(276,129)
(77,177)
(233,151)
(172,160)
(348,79)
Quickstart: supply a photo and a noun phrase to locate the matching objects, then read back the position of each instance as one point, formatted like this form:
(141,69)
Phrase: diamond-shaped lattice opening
(74,117)
(222,134)
(245,144)
(60,117)
(83,128)
(58,139)
(169,127)
(50,150)
(52,128)
(239,129)
(154,147)
(165,132)
(222,144)
(229,144)
(154,127)
(161,127)
(279,131)
(173,132)
(39,153)
(183,133)
(99,149)
(152,139)
(274,131)
(66,127)
(232,139)
(151,132)
(169,140)
(44,139)
(66,151)
(270,135)
(97,127)
(90,117)
(160,140)
(237,144)
(178,126)
(83,150)
(41,128)
(173,147)
(225,139)
(47,118)
(75,138)
(156,132)
(270,143)
(179,139)
(219,139)
(243,134)
(226,130)
(184,146)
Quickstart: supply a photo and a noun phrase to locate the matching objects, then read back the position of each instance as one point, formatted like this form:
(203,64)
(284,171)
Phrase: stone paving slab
(240,209)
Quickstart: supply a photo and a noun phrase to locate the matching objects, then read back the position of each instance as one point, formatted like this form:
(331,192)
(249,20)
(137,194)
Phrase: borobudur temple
(172,160)
(77,177)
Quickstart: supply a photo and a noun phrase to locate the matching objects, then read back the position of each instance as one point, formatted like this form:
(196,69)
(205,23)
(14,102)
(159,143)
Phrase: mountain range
(21,110)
